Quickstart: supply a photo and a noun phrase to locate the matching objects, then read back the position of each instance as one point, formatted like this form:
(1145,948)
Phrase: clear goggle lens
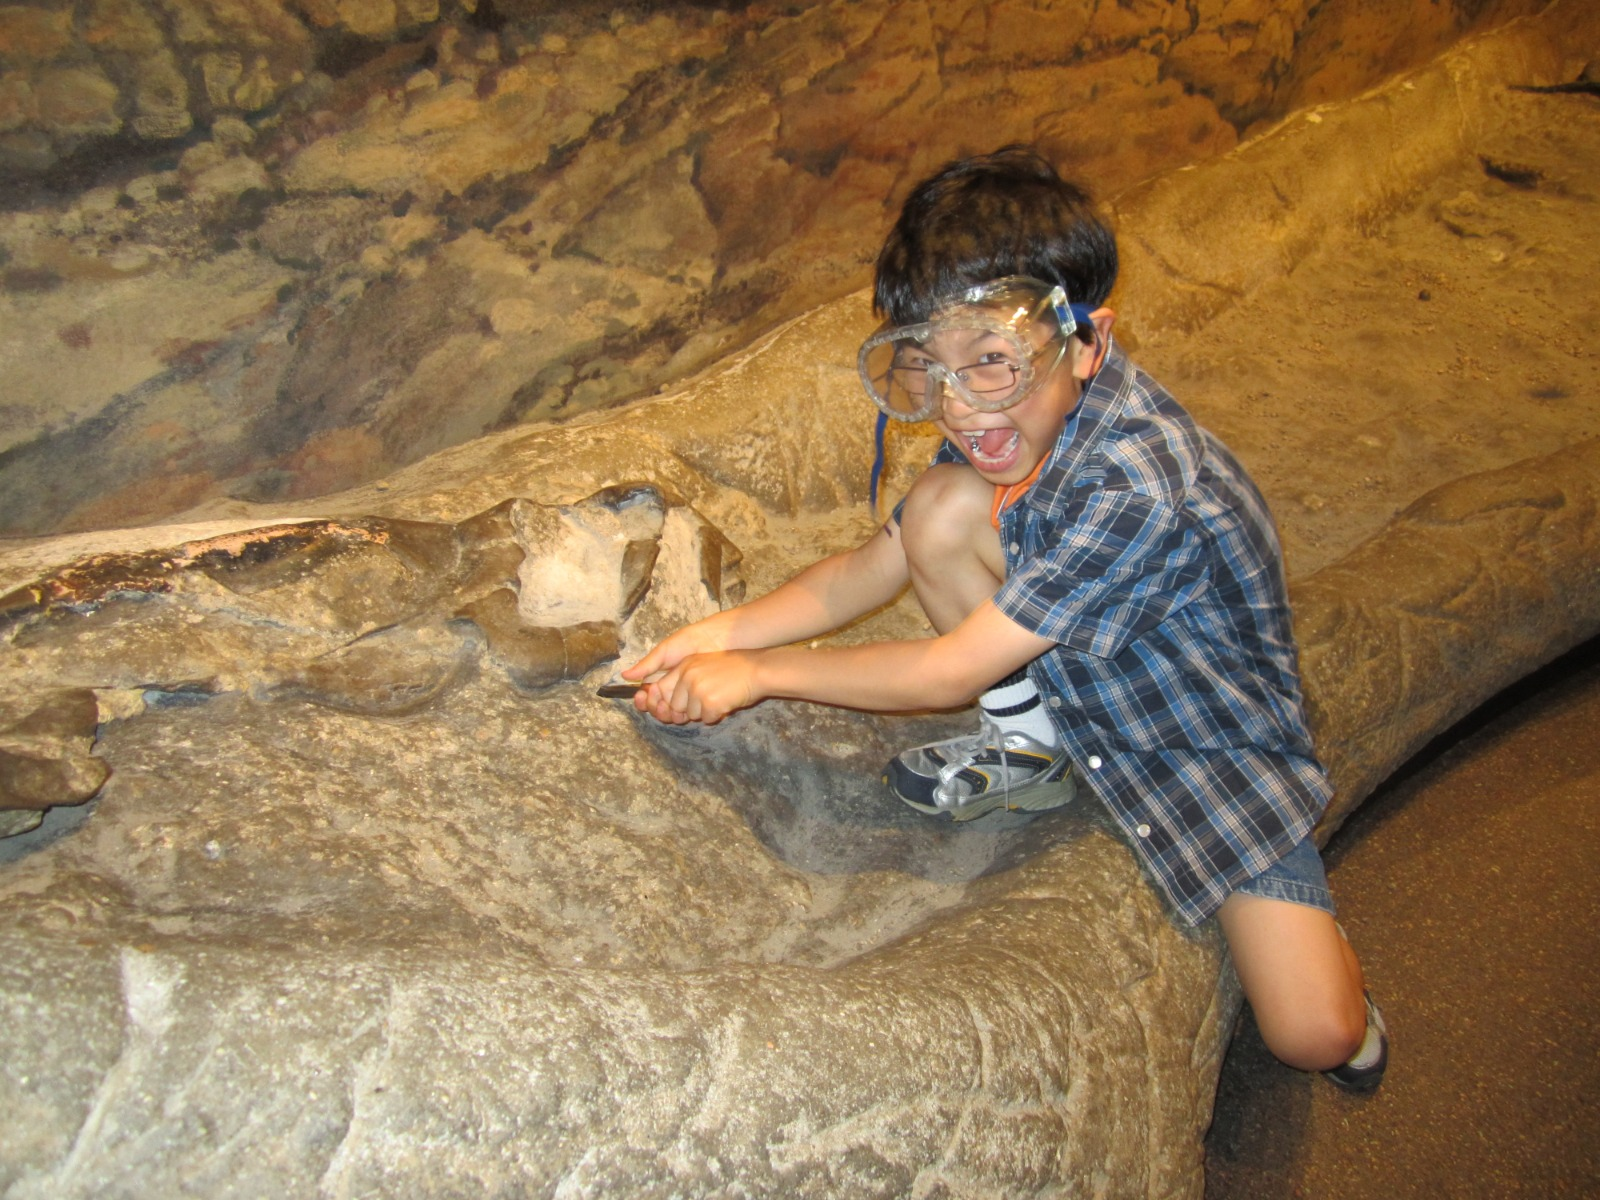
(1015,330)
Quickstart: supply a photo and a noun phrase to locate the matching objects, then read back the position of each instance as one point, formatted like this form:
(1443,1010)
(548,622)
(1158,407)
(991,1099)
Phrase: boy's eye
(994,358)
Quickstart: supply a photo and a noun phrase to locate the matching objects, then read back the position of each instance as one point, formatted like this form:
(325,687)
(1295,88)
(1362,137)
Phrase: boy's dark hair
(983,218)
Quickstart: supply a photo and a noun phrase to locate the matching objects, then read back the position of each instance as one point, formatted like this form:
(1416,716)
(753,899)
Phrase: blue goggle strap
(877,462)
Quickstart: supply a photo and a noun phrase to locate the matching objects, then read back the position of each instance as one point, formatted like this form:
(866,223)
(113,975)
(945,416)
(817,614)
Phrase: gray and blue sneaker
(979,772)
(1365,1069)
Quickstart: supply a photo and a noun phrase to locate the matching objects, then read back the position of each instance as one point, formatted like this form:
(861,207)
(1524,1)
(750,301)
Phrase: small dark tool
(1587,83)
(617,691)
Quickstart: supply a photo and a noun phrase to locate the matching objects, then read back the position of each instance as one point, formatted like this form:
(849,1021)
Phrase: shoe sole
(1362,1081)
(1032,798)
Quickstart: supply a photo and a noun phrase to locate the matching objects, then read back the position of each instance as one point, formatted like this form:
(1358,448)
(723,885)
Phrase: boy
(1081,540)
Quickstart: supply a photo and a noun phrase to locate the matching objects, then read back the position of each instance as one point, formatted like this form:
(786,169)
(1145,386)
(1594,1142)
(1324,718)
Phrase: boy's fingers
(626,688)
(640,669)
(657,659)
(664,700)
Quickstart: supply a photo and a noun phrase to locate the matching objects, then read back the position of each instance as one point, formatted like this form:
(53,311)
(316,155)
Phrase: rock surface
(46,739)
(337,237)
(518,941)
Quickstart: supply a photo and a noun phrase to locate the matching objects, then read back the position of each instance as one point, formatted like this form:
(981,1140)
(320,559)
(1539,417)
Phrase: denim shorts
(1297,877)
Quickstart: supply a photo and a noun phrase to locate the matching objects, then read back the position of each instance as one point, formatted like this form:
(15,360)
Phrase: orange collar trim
(1005,495)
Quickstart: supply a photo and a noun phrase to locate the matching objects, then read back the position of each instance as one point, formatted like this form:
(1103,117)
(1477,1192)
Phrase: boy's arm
(820,599)
(939,672)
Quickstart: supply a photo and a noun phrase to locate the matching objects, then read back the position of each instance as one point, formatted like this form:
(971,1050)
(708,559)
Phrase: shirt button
(1055,701)
(1143,830)
(1016,548)
(1095,762)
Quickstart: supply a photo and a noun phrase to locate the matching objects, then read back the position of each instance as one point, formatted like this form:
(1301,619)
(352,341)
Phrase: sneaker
(970,775)
(1365,1069)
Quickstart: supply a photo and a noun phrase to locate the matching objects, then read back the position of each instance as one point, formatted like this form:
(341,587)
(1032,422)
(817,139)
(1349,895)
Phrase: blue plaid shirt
(1145,552)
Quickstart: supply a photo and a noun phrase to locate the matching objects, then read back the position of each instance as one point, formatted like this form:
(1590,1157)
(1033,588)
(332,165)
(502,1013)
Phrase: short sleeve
(1111,566)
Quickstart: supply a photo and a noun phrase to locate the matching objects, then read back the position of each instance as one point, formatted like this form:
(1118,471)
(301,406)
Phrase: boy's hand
(703,637)
(683,678)
(701,687)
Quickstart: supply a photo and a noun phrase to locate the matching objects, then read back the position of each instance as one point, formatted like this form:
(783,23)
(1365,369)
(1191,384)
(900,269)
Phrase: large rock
(491,942)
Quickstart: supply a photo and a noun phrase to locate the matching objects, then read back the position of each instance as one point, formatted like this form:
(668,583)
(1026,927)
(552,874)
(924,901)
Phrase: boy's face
(1005,446)
(997,367)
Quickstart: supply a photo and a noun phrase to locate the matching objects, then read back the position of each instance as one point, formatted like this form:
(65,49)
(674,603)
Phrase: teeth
(975,441)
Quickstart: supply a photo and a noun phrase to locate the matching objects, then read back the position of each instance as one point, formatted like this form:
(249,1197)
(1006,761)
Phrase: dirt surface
(1468,887)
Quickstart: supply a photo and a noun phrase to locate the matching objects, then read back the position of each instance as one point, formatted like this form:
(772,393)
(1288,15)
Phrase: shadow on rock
(809,782)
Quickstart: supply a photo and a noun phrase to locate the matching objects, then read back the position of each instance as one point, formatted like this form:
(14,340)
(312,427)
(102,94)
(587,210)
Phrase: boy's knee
(1316,1039)
(946,512)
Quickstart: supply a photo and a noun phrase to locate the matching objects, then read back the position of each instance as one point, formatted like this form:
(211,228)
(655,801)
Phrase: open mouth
(991,447)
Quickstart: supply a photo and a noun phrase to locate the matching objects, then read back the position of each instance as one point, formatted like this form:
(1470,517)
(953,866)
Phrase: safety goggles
(1005,337)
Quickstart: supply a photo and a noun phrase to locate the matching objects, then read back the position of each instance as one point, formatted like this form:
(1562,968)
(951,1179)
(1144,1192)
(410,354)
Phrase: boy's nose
(949,398)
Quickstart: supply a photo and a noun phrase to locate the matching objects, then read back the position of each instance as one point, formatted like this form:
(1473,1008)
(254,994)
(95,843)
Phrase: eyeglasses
(1016,330)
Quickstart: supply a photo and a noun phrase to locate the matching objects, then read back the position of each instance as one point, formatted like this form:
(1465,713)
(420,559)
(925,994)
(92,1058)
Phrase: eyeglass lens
(983,379)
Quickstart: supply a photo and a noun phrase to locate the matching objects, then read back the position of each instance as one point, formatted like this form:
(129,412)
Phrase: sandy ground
(1468,886)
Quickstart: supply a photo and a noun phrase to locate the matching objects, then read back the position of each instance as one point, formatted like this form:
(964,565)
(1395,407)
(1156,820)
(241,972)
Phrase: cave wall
(269,251)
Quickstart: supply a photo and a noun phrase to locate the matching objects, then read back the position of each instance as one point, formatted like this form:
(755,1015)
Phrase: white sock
(1014,704)
(1371,1048)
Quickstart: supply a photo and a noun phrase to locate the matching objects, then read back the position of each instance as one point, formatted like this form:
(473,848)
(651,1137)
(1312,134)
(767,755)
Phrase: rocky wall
(77,81)
(267,251)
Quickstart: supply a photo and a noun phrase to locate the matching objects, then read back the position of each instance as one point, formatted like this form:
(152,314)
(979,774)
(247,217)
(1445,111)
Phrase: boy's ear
(1086,359)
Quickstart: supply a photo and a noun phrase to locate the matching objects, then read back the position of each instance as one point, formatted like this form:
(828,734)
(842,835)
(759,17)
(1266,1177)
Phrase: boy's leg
(951,548)
(1015,760)
(1301,978)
